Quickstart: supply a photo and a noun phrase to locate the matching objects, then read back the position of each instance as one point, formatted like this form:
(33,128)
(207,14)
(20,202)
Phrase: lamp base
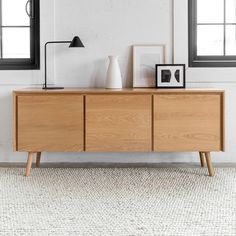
(52,88)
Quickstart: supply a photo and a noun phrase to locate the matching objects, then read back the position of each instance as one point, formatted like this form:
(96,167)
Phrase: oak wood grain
(29,164)
(202,159)
(50,123)
(188,122)
(14,122)
(87,91)
(118,123)
(38,159)
(199,112)
(209,164)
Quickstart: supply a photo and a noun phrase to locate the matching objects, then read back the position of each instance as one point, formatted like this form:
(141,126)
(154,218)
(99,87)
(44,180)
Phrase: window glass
(210,40)
(231,11)
(14,13)
(16,43)
(230,40)
(210,11)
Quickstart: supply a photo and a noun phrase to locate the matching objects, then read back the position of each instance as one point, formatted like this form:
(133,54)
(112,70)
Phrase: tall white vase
(113,80)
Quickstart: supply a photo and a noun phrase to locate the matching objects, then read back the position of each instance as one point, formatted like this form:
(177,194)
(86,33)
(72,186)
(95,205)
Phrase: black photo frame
(170,76)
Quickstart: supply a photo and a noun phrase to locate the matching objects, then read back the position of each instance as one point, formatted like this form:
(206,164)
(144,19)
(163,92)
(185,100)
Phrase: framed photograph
(170,76)
(144,61)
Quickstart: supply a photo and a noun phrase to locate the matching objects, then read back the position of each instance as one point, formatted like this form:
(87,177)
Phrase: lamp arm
(45,58)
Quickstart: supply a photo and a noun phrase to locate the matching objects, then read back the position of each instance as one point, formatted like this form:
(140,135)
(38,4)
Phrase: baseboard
(116,165)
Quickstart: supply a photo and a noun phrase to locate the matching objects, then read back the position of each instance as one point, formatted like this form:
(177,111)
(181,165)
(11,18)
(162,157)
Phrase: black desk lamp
(75,43)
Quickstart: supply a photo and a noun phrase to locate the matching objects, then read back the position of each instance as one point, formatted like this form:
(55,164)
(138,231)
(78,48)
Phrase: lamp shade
(76,43)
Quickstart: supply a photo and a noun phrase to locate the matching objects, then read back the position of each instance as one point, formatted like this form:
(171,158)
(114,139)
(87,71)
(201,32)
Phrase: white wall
(107,27)
(110,27)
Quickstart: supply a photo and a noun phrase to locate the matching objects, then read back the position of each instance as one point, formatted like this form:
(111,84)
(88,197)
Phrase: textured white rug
(118,202)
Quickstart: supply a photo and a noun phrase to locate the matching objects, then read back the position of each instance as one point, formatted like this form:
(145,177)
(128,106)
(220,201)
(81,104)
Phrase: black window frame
(33,63)
(204,61)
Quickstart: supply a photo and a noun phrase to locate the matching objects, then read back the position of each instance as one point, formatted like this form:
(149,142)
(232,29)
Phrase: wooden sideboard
(126,120)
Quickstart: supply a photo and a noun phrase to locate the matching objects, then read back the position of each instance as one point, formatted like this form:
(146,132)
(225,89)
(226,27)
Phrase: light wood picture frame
(145,58)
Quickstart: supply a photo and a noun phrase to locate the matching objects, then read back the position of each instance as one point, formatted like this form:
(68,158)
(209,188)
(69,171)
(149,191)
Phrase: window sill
(19,67)
(212,64)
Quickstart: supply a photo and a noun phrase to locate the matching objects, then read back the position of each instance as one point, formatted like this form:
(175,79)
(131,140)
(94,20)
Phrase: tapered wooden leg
(202,159)
(29,163)
(38,158)
(209,164)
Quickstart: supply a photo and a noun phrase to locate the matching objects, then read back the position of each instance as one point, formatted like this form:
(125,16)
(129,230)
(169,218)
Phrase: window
(212,33)
(19,35)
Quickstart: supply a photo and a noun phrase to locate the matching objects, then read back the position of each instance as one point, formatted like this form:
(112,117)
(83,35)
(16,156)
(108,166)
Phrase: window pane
(230,40)
(230,11)
(210,40)
(13,13)
(16,42)
(210,11)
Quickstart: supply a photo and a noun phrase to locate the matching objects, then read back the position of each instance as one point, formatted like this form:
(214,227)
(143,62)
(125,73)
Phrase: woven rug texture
(126,201)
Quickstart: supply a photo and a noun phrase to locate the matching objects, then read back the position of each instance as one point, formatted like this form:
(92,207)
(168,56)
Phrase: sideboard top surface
(114,91)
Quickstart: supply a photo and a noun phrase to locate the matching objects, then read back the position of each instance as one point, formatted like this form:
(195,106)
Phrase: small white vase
(113,80)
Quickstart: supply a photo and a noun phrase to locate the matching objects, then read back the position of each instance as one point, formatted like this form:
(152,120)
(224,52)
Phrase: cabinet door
(50,123)
(118,123)
(188,122)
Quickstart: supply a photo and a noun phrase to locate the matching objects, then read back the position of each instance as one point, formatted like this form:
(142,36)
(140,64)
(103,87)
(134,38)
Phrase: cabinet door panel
(50,123)
(188,122)
(118,123)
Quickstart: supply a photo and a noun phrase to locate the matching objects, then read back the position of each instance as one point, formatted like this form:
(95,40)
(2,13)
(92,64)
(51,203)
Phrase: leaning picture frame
(145,57)
(170,76)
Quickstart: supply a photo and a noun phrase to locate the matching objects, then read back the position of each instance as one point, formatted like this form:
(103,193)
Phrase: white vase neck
(113,57)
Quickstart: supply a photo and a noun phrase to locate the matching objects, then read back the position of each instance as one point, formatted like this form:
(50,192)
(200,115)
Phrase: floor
(124,201)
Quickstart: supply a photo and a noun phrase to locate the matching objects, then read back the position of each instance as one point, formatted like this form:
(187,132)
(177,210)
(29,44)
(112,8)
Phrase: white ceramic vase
(113,80)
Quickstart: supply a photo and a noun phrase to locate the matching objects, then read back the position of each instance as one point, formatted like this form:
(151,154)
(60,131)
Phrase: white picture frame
(145,58)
